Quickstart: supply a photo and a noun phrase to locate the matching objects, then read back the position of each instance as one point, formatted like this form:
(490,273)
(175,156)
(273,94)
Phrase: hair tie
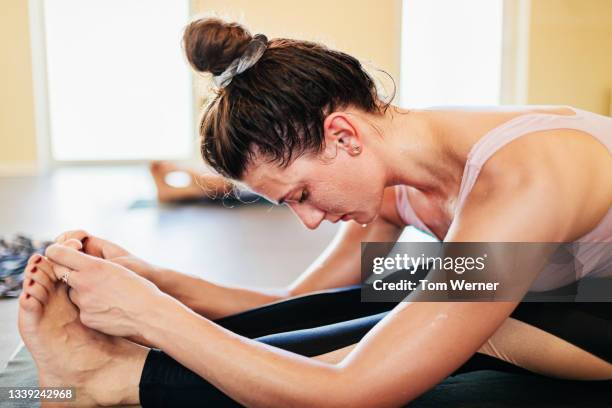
(251,55)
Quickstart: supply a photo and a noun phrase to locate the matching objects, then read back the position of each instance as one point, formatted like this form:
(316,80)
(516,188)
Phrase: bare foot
(200,184)
(103,370)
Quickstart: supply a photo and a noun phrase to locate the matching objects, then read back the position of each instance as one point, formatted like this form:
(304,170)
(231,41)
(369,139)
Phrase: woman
(302,125)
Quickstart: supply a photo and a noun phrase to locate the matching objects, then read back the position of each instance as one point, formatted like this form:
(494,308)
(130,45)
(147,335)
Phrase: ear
(341,133)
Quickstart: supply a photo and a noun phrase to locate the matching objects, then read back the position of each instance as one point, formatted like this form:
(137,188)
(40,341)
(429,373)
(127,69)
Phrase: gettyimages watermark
(486,271)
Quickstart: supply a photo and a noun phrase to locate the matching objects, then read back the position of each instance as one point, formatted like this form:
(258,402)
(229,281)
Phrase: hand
(104,249)
(110,297)
(40,270)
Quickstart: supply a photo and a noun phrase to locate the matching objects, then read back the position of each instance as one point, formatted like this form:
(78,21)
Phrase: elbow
(361,388)
(346,388)
(292,292)
(295,290)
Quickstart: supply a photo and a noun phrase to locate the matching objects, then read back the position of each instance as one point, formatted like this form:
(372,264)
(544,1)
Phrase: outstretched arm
(338,265)
(417,345)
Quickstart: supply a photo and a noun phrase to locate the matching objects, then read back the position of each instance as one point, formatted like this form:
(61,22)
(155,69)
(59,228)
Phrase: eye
(303,197)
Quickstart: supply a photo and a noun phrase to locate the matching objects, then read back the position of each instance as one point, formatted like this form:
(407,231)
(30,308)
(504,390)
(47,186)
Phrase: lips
(346,217)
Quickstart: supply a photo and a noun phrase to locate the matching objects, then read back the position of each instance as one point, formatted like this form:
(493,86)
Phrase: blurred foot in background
(177,183)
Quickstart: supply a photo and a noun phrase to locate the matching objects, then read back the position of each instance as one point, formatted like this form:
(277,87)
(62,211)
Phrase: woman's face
(337,184)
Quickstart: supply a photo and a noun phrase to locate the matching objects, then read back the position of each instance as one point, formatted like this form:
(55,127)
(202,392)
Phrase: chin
(364,218)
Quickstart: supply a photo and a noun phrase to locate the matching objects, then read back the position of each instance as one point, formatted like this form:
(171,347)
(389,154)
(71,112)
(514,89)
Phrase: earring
(356,149)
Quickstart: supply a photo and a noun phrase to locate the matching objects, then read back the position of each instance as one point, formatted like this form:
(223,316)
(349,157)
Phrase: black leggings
(321,322)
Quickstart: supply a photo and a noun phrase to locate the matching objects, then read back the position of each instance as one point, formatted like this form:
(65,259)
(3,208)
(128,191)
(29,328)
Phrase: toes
(40,267)
(167,166)
(35,290)
(41,277)
(29,303)
(47,268)
(33,260)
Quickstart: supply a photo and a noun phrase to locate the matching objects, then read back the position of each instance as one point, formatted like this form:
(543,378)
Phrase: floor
(254,245)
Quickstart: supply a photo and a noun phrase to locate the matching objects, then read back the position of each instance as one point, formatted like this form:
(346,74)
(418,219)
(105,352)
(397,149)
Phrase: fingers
(89,244)
(92,245)
(79,235)
(70,261)
(70,257)
(72,276)
(73,236)
(73,243)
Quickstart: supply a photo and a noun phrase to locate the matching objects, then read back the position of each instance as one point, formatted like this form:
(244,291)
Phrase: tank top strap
(508,131)
(406,212)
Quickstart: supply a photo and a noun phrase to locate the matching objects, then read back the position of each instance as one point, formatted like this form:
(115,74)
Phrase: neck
(418,153)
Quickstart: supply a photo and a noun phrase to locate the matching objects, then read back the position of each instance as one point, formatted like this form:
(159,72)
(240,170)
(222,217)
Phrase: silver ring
(65,277)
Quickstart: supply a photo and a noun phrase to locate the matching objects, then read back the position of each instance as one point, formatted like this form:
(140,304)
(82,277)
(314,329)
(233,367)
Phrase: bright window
(119,86)
(451,52)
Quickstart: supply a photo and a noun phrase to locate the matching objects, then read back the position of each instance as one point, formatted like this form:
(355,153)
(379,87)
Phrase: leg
(164,381)
(562,340)
(304,312)
(107,370)
(310,325)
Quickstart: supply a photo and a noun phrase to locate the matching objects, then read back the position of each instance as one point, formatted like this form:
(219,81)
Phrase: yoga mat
(494,389)
(229,202)
(482,389)
(20,372)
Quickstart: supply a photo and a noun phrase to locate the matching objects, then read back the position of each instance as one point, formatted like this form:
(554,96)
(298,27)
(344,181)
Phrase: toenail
(27,295)
(34,270)
(31,282)
(38,260)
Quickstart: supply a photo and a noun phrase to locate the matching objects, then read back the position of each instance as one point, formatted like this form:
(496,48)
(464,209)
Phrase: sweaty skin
(259,375)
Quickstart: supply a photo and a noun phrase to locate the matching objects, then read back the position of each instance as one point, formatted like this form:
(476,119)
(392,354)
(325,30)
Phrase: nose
(310,216)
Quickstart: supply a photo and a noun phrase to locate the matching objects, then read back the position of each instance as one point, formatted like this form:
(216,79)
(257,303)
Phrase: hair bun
(211,44)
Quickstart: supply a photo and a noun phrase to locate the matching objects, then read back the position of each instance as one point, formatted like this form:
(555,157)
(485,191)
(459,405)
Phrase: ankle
(117,382)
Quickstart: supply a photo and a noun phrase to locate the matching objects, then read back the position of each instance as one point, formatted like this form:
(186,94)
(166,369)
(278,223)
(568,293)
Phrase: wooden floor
(253,245)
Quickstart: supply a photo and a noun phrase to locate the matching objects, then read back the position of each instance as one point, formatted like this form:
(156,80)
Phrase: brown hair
(277,106)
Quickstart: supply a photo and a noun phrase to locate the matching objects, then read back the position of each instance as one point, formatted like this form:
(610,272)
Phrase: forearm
(253,373)
(210,299)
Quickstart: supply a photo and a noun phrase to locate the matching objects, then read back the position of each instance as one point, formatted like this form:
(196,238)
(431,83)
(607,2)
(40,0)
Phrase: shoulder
(540,181)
